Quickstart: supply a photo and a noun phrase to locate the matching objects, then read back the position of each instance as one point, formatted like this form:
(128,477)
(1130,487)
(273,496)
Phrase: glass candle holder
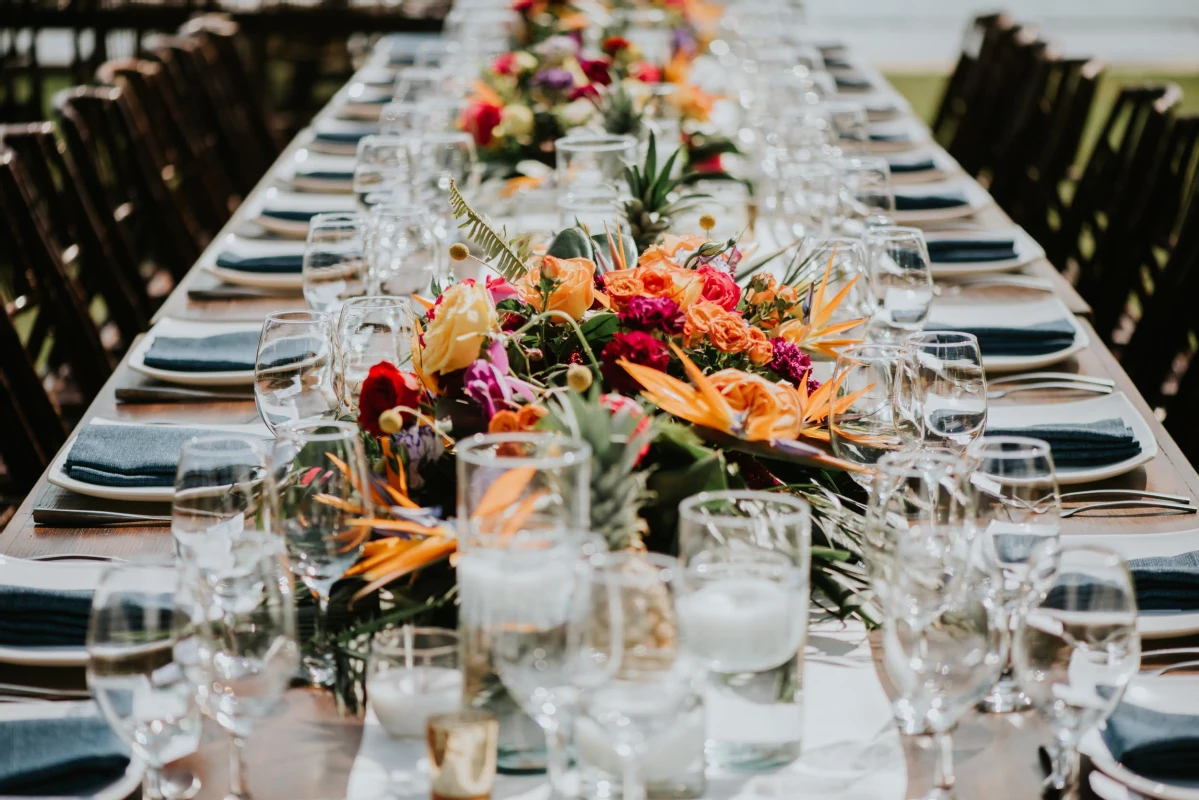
(462,754)
(412,674)
(591,165)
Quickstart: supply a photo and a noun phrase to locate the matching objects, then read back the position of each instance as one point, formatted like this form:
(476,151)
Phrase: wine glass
(848,124)
(334,266)
(591,165)
(245,636)
(369,331)
(1019,520)
(445,157)
(941,390)
(317,487)
(383,165)
(901,282)
(405,252)
(943,668)
(294,372)
(1076,648)
(142,692)
(217,510)
(414,84)
(406,120)
(807,202)
(862,425)
(844,260)
(865,187)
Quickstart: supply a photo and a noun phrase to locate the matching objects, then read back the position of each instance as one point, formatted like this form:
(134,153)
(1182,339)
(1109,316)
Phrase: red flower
(590,92)
(645,72)
(385,388)
(637,347)
(719,287)
(596,70)
(522,6)
(712,164)
(614,44)
(504,64)
(480,120)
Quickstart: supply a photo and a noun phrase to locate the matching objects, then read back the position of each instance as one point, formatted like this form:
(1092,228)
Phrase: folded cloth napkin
(929,202)
(958,251)
(340,137)
(128,456)
(43,617)
(1030,340)
(61,757)
(851,82)
(1083,444)
(226,352)
(1154,744)
(290,214)
(281,263)
(897,136)
(326,174)
(924,165)
(1167,583)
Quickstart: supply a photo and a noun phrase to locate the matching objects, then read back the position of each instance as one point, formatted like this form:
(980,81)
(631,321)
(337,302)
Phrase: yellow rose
(461,321)
(516,121)
(575,290)
(657,254)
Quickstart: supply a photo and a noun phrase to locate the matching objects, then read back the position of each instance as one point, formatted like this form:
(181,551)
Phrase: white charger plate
(58,476)
(120,789)
(1021,415)
(976,196)
(332,125)
(1027,250)
(912,132)
(944,166)
(360,101)
(55,575)
(305,160)
(1011,314)
(1172,694)
(1152,624)
(284,200)
(255,247)
(191,329)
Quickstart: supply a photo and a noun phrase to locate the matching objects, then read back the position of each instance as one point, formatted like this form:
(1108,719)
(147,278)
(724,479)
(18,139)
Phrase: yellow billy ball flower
(578,378)
(707,222)
(390,421)
(459,251)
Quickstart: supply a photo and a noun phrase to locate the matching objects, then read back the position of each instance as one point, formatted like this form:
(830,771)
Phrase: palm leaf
(509,257)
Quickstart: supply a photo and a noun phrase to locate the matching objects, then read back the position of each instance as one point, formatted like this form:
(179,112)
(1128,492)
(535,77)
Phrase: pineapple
(655,197)
(620,113)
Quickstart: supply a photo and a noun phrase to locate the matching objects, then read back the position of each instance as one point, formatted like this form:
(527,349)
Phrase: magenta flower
(792,364)
(651,314)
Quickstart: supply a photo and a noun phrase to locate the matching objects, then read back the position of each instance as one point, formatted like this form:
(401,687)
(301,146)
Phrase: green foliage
(656,199)
(509,257)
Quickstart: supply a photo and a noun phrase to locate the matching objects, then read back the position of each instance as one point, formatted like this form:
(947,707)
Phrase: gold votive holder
(462,751)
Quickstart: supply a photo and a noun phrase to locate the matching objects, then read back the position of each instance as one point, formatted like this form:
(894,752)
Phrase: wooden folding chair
(978,44)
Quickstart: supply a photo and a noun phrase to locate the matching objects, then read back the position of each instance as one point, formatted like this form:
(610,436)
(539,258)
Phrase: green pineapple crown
(656,200)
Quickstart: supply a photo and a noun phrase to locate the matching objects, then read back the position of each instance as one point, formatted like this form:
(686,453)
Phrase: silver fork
(1074,386)
(1051,376)
(1184,507)
(1173,498)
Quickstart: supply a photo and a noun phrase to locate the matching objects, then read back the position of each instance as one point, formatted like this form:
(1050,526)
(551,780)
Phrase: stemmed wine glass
(383,164)
(865,187)
(244,633)
(863,430)
(294,371)
(1019,523)
(144,695)
(1076,649)
(334,266)
(369,331)
(404,253)
(941,394)
(901,282)
(318,490)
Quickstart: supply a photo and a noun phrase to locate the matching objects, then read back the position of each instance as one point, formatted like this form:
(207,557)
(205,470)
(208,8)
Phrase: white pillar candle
(498,588)
(404,699)
(675,740)
(742,624)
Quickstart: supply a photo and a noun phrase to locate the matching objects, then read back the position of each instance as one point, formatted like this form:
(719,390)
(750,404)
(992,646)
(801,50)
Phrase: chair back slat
(978,47)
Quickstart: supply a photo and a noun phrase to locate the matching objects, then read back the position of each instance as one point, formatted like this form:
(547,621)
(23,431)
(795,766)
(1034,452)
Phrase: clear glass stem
(557,756)
(1065,769)
(237,766)
(632,784)
(943,778)
(320,632)
(152,783)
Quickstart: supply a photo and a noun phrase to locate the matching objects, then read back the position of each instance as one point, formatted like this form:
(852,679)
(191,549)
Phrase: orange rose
(772,410)
(763,295)
(729,333)
(574,292)
(621,286)
(530,415)
(663,254)
(504,421)
(789,296)
(684,286)
(761,351)
(697,320)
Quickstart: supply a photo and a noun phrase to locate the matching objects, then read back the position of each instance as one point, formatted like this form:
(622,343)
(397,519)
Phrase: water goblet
(862,425)
(941,393)
(592,165)
(315,488)
(294,371)
(404,252)
(901,282)
(865,187)
(334,267)
(1076,649)
(371,330)
(382,166)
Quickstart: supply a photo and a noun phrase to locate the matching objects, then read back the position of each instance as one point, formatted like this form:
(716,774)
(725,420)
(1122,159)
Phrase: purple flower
(484,384)
(423,445)
(653,313)
(555,79)
(557,49)
(792,364)
(682,40)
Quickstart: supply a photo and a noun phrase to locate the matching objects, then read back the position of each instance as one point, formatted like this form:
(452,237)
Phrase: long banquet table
(306,750)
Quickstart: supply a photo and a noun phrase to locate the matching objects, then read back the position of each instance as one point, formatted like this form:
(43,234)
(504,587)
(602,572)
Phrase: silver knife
(84,518)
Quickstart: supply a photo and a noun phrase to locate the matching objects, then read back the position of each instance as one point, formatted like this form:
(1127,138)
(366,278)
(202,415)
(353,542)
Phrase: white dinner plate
(1027,250)
(950,315)
(340,126)
(912,135)
(1152,624)
(50,575)
(283,200)
(976,198)
(190,329)
(1021,415)
(292,172)
(136,494)
(120,789)
(255,247)
(361,101)
(1172,694)
(377,76)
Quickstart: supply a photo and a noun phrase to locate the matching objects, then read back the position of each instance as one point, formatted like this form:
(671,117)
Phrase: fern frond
(508,257)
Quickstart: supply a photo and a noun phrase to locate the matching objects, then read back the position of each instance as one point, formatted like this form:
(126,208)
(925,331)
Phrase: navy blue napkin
(290,214)
(1084,444)
(326,174)
(1031,340)
(43,617)
(928,202)
(900,136)
(1167,583)
(1154,744)
(59,757)
(853,82)
(278,264)
(900,167)
(128,456)
(959,251)
(340,137)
